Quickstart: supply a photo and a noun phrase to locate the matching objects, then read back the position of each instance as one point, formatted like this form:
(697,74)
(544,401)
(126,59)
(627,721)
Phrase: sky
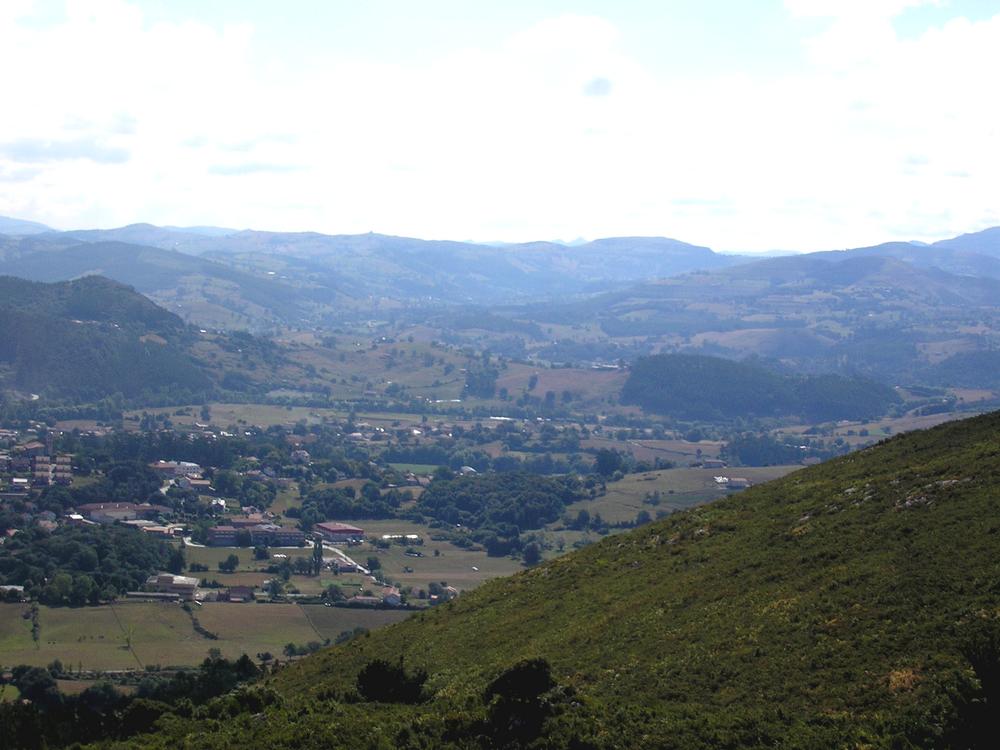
(736,124)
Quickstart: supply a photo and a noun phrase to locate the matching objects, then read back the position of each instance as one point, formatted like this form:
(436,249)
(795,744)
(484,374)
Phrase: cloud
(24,174)
(252,168)
(39,150)
(495,139)
(597,87)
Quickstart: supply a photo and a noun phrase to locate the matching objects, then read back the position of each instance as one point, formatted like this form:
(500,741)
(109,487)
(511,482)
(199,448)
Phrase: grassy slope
(821,609)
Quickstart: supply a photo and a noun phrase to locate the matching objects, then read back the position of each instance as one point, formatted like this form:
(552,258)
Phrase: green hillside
(841,606)
(696,387)
(89,339)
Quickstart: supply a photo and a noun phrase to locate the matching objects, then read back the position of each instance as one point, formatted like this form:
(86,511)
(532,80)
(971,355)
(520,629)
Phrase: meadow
(134,635)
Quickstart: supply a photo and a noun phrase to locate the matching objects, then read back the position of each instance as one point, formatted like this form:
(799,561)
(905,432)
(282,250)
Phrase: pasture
(161,633)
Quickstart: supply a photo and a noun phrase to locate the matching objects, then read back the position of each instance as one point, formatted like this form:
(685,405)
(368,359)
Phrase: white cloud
(884,138)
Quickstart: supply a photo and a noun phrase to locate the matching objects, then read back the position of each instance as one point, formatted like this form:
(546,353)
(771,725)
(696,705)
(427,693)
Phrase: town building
(333,531)
(167,583)
(267,534)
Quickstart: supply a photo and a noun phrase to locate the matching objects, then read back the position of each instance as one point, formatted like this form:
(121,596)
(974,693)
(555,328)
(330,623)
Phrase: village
(311,518)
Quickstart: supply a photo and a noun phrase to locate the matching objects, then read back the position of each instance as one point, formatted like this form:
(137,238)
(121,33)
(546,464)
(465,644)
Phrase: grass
(95,638)
(415,468)
(454,564)
(332,621)
(678,488)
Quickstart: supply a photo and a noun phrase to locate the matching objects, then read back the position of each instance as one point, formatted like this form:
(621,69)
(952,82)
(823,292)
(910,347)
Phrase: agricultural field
(462,568)
(879,429)
(678,488)
(162,633)
(330,622)
(680,452)
(625,499)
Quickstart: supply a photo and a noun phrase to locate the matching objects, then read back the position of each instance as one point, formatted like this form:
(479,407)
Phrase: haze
(800,125)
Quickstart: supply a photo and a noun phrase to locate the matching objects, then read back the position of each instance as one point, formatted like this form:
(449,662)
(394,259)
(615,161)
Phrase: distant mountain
(851,604)
(205,231)
(404,268)
(986,242)
(199,289)
(20,226)
(854,313)
(148,235)
(952,258)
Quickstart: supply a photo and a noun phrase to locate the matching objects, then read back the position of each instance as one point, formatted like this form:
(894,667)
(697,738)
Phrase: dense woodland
(87,565)
(711,389)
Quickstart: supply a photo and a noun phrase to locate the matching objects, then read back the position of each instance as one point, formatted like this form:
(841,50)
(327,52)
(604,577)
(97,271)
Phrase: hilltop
(21,226)
(849,604)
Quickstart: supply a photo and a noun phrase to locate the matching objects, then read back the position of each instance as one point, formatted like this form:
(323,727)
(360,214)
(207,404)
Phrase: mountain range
(254,279)
(894,312)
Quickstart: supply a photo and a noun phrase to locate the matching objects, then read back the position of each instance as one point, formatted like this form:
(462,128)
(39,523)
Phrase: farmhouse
(167,583)
(237,594)
(333,531)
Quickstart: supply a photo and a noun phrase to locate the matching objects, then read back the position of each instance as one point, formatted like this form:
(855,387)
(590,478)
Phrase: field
(96,638)
(880,429)
(415,468)
(332,621)
(624,500)
(464,569)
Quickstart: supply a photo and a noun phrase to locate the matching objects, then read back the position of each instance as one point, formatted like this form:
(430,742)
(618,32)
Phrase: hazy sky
(742,125)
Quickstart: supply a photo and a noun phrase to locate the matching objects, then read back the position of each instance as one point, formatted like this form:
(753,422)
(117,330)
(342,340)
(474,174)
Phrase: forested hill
(711,388)
(91,299)
(87,339)
(851,604)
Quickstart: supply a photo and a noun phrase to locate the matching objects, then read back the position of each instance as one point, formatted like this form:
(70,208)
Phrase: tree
(275,588)
(532,553)
(243,538)
(229,564)
(175,562)
(607,462)
(381,681)
(517,708)
(317,558)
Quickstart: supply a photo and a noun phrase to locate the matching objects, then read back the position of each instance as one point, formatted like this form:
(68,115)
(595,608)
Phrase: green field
(453,564)
(678,488)
(95,638)
(415,468)
(332,621)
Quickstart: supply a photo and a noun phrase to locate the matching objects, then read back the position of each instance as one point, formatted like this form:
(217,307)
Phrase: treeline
(84,565)
(49,718)
(344,503)
(713,389)
(498,507)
